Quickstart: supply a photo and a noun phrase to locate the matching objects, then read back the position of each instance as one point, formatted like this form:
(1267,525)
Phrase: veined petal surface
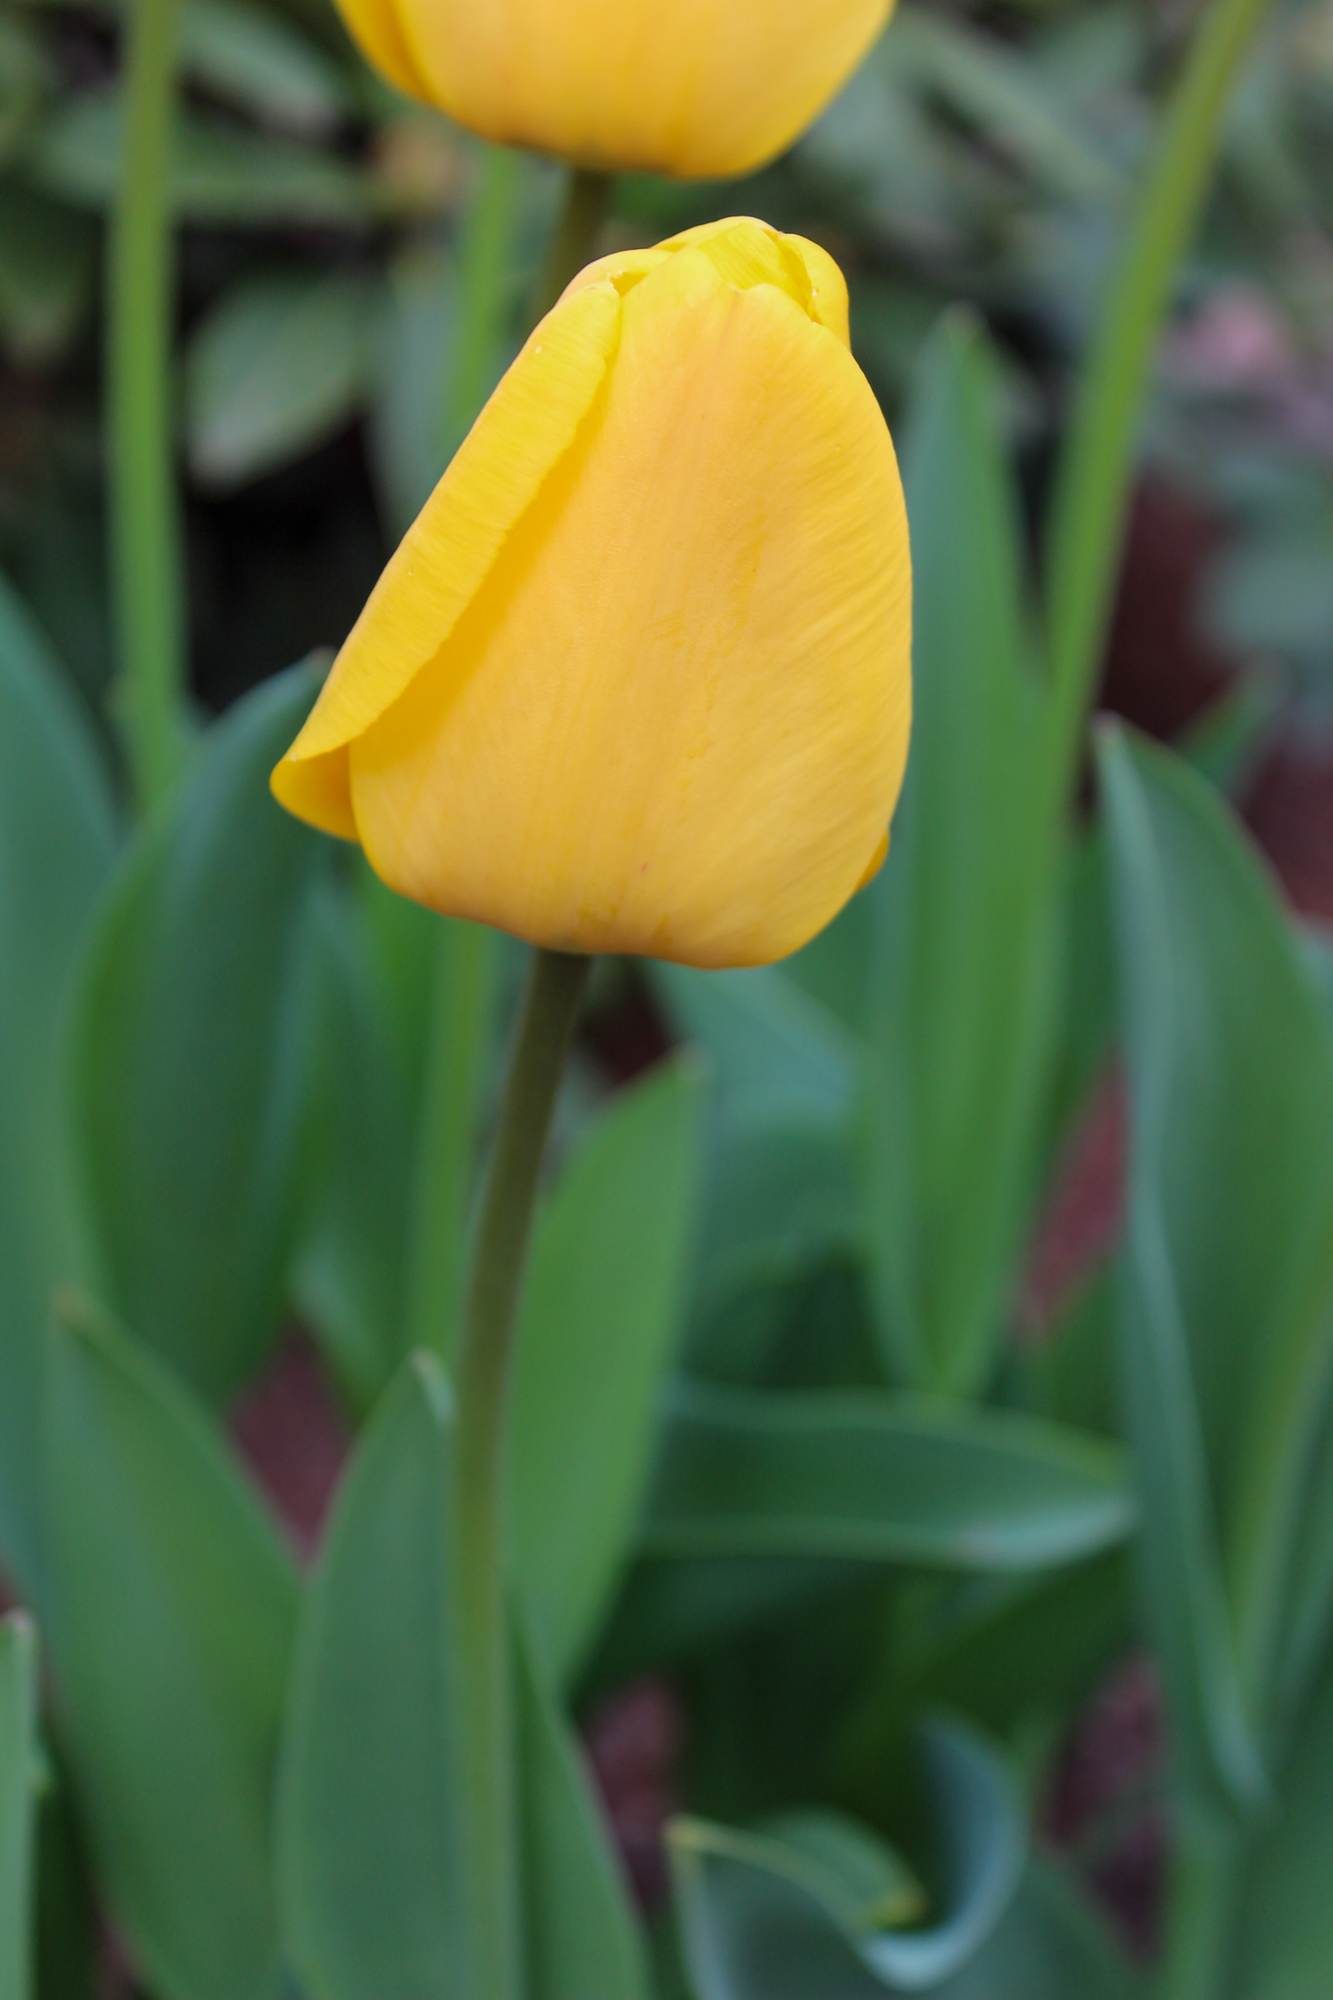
(673,718)
(694,89)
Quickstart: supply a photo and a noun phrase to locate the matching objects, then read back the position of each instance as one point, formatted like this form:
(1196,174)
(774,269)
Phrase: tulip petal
(694,89)
(319,791)
(374,25)
(674,720)
(524,431)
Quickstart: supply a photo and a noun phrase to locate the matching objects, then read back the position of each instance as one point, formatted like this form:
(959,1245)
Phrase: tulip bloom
(638,677)
(696,88)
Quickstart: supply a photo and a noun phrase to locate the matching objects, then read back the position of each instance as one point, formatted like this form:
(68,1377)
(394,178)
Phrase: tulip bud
(638,677)
(687,87)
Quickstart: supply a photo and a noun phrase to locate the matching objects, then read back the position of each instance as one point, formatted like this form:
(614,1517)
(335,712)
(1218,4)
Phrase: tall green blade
(18,1786)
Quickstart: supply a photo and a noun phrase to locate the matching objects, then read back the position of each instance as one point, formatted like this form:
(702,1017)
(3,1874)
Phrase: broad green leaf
(188,1054)
(57,843)
(669,1609)
(584,1941)
(762,1921)
(174,1613)
(770,1044)
(275,367)
(1229,1277)
(221,173)
(856,1474)
(348,1275)
(596,1340)
(960,1011)
(1283,1914)
(18,1802)
(369,1867)
(416,333)
(252,58)
(1049,1945)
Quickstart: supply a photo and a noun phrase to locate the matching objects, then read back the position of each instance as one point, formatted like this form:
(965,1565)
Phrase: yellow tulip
(696,88)
(638,677)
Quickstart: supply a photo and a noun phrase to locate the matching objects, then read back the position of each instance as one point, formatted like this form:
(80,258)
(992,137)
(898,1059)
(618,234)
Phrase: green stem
(481,1382)
(1093,481)
(485,259)
(1197,1959)
(147,562)
(462,985)
(587,195)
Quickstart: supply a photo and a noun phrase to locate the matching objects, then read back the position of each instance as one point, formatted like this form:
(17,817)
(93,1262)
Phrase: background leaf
(758,1918)
(57,841)
(369,1869)
(188,1053)
(599,1323)
(1230,1249)
(857,1474)
(18,1803)
(175,1609)
(276,367)
(960,1010)
(584,1941)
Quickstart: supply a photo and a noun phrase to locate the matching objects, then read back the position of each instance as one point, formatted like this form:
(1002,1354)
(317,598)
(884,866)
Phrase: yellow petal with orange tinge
(524,431)
(318,790)
(377,26)
(746,252)
(877,860)
(674,717)
(692,89)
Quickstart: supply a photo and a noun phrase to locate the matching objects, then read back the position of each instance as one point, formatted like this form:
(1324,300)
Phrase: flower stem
(1198,1954)
(587,195)
(147,565)
(1095,473)
(482,1371)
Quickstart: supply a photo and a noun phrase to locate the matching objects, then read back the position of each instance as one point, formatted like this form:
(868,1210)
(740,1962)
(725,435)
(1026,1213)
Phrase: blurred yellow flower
(638,677)
(687,87)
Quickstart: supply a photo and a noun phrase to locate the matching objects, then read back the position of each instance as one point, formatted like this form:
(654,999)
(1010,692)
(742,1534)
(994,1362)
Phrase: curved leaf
(175,1608)
(18,1789)
(761,1919)
(858,1474)
(369,1875)
(597,1333)
(57,843)
(1227,1327)
(188,1058)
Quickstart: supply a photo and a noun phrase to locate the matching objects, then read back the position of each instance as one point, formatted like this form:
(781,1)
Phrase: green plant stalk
(482,1373)
(587,195)
(1093,481)
(146,556)
(485,262)
(462,989)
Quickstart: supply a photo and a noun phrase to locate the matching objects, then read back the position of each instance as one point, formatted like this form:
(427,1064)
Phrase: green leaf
(771,1046)
(348,1266)
(1048,1946)
(961,1012)
(597,1336)
(853,1474)
(1284,1915)
(175,1608)
(188,1056)
(258,62)
(1230,1250)
(221,173)
(369,1870)
(57,843)
(584,1941)
(275,367)
(18,1790)
(761,1919)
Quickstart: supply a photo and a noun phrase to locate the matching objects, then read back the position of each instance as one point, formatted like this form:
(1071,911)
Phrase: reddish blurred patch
(1160,672)
(1290,811)
(294,1437)
(634,1742)
(1080,1222)
(1103,1807)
